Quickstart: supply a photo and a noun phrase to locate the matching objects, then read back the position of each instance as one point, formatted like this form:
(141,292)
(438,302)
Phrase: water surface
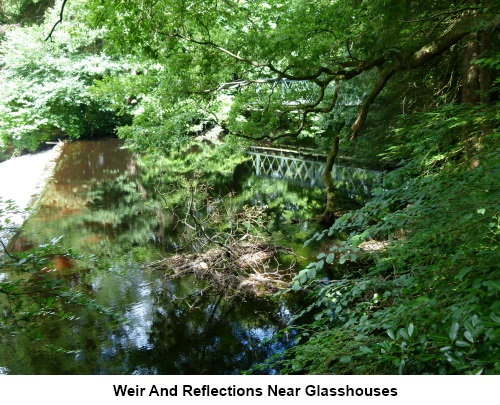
(103,205)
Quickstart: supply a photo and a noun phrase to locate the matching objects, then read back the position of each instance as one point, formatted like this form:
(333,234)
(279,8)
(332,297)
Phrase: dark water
(104,207)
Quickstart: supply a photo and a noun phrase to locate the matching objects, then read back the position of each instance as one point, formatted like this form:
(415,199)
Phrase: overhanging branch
(322,75)
(422,56)
(365,107)
(445,13)
(301,125)
(61,15)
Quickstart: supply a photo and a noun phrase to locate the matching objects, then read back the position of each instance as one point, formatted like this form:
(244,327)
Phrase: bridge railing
(307,169)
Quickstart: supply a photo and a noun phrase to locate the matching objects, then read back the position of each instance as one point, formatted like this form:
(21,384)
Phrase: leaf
(295,286)
(342,259)
(321,255)
(410,329)
(463,272)
(481,211)
(401,367)
(365,349)
(330,258)
(495,318)
(492,285)
(391,334)
(356,240)
(385,347)
(469,336)
(403,334)
(468,326)
(453,331)
(461,343)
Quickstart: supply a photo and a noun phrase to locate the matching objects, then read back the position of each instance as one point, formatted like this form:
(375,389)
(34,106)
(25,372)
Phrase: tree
(23,11)
(46,83)
(415,269)
(251,51)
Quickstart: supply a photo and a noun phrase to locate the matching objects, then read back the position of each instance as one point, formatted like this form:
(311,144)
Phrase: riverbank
(22,179)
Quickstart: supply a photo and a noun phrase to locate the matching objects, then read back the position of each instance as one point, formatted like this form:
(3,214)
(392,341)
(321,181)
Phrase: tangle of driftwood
(243,269)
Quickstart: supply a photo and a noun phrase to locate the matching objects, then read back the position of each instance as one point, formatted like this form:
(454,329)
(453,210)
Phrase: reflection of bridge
(307,168)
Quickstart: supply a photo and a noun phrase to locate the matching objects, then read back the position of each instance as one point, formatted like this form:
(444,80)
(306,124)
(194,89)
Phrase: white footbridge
(307,168)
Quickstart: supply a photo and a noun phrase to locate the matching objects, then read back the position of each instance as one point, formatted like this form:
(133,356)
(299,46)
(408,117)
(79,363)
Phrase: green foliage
(45,84)
(22,11)
(225,65)
(428,300)
(207,164)
(248,50)
(8,209)
(38,295)
(31,293)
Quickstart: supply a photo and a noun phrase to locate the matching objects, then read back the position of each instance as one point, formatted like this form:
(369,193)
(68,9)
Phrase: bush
(46,84)
(428,302)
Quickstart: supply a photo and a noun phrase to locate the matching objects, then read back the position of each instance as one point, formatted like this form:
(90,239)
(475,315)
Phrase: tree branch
(365,107)
(422,56)
(303,120)
(321,70)
(347,70)
(445,13)
(61,15)
(6,252)
(313,104)
(452,37)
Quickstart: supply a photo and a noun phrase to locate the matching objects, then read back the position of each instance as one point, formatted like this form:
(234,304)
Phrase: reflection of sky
(263,333)
(133,293)
(140,318)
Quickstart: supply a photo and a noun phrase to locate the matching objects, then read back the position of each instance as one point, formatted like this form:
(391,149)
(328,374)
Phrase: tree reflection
(198,331)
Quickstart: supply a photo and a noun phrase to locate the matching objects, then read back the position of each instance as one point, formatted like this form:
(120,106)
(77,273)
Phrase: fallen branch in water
(238,269)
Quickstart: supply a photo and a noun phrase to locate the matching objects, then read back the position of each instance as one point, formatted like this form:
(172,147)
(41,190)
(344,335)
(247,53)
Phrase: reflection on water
(94,199)
(104,205)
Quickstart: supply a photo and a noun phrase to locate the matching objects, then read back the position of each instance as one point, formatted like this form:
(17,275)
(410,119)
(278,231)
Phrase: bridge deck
(289,152)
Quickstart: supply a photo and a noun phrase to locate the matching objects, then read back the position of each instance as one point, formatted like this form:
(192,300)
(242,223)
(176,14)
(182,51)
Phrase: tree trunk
(470,71)
(476,86)
(328,216)
(485,81)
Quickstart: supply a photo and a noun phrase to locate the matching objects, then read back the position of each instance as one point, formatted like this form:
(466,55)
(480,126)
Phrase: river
(103,207)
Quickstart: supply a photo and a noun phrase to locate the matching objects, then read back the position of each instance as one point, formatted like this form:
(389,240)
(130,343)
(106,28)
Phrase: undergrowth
(428,300)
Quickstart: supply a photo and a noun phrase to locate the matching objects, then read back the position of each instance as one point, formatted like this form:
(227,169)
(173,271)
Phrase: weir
(22,179)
